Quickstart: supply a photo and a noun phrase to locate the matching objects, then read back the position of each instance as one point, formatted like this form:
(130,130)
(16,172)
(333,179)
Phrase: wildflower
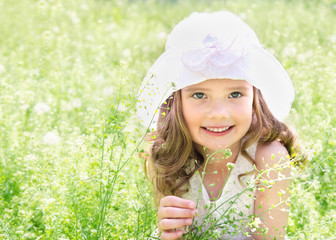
(74,17)
(47,35)
(30,157)
(122,108)
(48,201)
(162,35)
(108,91)
(51,138)
(76,103)
(304,57)
(2,68)
(281,193)
(56,29)
(255,224)
(41,108)
(126,53)
(289,51)
(84,7)
(230,165)
(257,221)
(90,38)
(281,176)
(99,78)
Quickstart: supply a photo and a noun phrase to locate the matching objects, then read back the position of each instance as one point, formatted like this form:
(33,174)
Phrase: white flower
(126,53)
(289,51)
(51,138)
(30,157)
(48,201)
(90,38)
(56,29)
(110,28)
(74,17)
(255,224)
(257,221)
(76,103)
(2,68)
(66,106)
(230,165)
(84,6)
(41,108)
(99,78)
(281,176)
(162,35)
(304,57)
(47,35)
(122,108)
(79,142)
(108,91)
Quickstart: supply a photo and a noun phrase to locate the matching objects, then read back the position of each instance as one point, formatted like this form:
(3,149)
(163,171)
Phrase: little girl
(219,158)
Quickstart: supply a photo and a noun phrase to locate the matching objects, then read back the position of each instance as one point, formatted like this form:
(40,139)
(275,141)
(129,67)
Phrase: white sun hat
(213,45)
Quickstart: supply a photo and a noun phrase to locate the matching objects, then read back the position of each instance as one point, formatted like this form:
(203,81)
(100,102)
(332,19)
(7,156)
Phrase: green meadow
(69,136)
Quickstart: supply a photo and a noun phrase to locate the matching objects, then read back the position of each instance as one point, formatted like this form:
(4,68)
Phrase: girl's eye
(235,95)
(198,95)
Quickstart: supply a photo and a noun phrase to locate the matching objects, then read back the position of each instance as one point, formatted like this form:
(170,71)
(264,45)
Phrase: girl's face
(218,113)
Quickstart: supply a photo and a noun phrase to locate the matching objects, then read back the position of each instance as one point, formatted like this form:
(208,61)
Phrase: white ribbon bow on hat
(214,57)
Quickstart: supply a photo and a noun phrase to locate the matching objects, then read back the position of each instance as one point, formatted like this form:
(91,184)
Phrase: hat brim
(258,67)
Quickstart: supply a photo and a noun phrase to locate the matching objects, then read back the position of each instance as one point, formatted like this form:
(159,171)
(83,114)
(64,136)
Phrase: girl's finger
(170,224)
(173,201)
(169,235)
(175,212)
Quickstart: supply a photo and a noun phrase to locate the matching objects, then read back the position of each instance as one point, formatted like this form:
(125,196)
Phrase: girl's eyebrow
(196,89)
(239,88)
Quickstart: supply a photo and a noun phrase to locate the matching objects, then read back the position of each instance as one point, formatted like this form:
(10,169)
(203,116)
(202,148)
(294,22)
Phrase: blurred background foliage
(69,77)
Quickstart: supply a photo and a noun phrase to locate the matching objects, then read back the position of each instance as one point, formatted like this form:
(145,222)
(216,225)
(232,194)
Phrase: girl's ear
(254,118)
(254,112)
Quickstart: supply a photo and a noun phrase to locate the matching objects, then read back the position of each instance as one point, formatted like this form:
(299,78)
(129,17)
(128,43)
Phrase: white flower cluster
(41,108)
(51,138)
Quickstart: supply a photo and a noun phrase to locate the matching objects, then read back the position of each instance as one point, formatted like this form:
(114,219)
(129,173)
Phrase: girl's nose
(219,110)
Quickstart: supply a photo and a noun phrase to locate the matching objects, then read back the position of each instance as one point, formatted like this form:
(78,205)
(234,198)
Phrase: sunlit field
(69,137)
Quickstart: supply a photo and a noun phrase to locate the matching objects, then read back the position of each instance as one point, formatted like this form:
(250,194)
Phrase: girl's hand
(174,215)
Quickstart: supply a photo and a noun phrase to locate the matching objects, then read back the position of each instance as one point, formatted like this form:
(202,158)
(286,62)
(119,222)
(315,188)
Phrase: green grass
(69,74)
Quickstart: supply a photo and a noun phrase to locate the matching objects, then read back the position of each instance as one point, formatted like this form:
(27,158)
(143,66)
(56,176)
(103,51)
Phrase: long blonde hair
(172,147)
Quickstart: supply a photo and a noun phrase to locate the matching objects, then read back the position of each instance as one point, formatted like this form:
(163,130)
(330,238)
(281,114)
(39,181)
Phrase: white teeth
(217,129)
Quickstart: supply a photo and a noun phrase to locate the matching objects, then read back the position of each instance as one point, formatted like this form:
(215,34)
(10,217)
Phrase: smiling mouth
(217,130)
